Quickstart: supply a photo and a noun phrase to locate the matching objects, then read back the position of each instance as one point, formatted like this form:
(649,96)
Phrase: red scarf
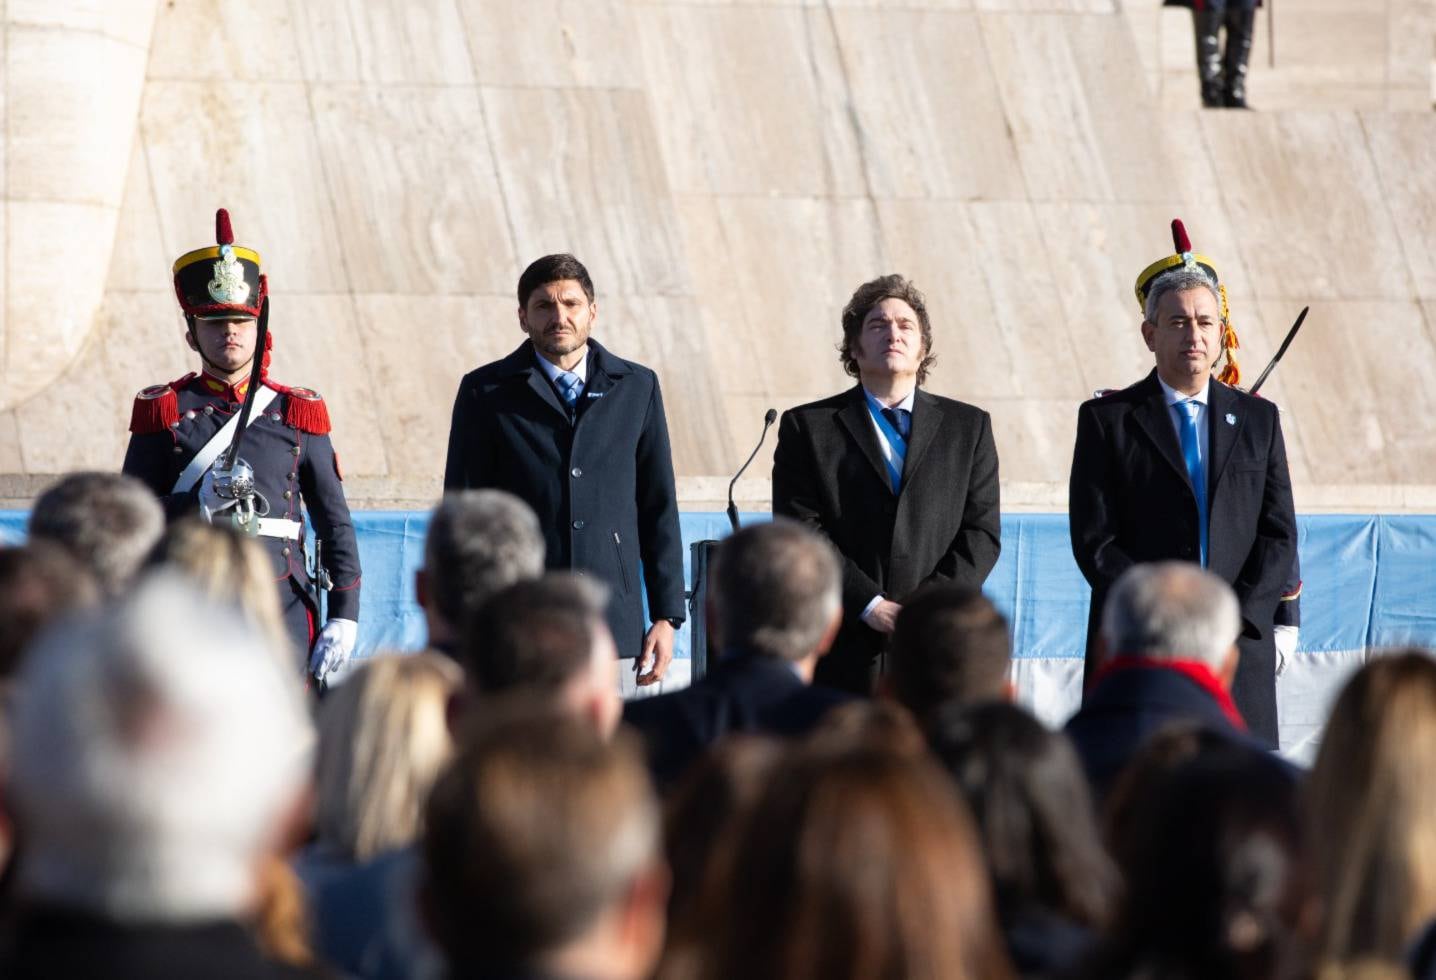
(1195,671)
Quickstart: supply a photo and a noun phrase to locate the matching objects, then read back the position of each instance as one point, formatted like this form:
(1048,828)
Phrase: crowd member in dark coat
(178,431)
(1171,629)
(951,646)
(1053,882)
(542,853)
(148,798)
(579,434)
(903,482)
(1182,466)
(776,602)
(478,542)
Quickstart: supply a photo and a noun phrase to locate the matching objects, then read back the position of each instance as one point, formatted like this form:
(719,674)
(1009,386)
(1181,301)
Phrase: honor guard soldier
(235,447)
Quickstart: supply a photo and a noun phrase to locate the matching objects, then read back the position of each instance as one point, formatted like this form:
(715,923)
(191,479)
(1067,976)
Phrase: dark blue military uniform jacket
(602,484)
(287,445)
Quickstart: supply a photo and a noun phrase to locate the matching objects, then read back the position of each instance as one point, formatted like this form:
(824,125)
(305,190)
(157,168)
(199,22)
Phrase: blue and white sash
(893,445)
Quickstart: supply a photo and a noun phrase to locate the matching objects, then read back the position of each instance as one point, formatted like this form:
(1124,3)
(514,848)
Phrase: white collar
(552,370)
(905,404)
(1175,397)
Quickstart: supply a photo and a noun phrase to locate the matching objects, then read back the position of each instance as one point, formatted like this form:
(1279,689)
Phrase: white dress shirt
(552,371)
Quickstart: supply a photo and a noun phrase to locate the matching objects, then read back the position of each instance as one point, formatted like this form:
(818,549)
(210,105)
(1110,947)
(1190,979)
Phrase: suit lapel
(539,382)
(1154,418)
(855,418)
(1221,435)
(926,421)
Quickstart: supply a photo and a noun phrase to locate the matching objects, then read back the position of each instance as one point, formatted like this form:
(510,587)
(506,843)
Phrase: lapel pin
(1231,419)
(599,394)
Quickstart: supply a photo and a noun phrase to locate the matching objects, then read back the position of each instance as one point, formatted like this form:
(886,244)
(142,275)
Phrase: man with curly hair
(902,481)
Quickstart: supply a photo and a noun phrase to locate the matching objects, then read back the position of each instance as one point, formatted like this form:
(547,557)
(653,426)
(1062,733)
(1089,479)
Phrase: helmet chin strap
(199,349)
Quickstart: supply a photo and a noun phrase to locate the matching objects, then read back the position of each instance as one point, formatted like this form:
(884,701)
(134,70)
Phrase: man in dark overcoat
(1185,466)
(580,435)
(902,482)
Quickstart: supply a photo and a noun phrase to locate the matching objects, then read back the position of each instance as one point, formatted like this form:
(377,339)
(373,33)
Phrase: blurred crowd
(175,803)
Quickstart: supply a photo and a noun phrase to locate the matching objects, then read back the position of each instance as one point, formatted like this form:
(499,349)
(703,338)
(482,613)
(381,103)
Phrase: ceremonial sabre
(1290,336)
(233,477)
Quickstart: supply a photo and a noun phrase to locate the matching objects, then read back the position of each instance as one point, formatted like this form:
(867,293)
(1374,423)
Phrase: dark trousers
(299,618)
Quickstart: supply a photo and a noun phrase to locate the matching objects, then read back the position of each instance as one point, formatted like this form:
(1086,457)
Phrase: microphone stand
(768,419)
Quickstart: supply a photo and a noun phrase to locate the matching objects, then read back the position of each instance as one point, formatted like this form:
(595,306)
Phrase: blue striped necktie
(568,384)
(1187,412)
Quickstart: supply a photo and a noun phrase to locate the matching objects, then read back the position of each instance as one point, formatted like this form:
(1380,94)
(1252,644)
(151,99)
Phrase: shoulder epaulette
(303,409)
(156,408)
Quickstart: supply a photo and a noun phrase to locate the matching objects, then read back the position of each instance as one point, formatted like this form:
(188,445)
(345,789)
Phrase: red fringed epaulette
(157,407)
(303,409)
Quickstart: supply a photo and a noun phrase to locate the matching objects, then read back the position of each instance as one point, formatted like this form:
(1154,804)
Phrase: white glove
(333,648)
(210,502)
(1285,638)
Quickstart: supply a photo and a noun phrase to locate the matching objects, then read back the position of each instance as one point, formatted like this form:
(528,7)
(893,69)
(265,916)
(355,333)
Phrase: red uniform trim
(155,411)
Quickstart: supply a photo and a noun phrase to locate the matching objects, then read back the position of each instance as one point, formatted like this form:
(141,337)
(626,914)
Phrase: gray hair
(157,748)
(1178,280)
(776,587)
(1171,610)
(479,541)
(106,521)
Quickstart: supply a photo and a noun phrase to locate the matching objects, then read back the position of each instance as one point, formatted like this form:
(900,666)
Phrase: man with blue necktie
(580,435)
(902,481)
(1185,466)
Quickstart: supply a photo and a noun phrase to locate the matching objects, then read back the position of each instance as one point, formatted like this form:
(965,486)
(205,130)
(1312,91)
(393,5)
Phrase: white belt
(279,527)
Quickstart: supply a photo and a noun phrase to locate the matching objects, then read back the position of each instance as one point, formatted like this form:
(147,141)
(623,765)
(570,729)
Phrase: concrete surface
(729,171)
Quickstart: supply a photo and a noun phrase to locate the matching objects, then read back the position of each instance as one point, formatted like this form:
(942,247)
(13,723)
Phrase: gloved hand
(333,648)
(1285,638)
(211,504)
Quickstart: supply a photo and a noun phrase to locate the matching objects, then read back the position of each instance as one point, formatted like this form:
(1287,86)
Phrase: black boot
(1241,24)
(1206,24)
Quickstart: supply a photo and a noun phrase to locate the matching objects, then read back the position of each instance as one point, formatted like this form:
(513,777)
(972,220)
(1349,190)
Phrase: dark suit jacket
(828,472)
(1130,706)
(1131,501)
(602,485)
(743,693)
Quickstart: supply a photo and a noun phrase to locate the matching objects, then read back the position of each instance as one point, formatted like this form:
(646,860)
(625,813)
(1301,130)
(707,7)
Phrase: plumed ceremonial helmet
(221,280)
(1185,258)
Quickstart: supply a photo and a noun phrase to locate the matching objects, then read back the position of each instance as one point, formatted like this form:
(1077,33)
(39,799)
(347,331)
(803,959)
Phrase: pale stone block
(1046,6)
(254,152)
(1356,386)
(1345,45)
(128,21)
(553,43)
(1308,230)
(1034,438)
(11,459)
(581,173)
(394,41)
(50,305)
(201,40)
(663,333)
(771,276)
(754,101)
(319,344)
(412,175)
(1404,150)
(1015,265)
(71,97)
(418,348)
(139,259)
(930,117)
(1045,107)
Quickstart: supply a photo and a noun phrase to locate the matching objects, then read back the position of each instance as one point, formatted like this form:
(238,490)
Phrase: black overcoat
(1130,500)
(602,484)
(943,525)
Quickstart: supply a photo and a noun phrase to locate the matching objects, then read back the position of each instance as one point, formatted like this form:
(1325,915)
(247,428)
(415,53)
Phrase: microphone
(768,420)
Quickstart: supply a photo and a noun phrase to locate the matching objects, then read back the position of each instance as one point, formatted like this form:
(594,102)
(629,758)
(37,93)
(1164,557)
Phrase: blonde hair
(383,738)
(1372,798)
(231,567)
